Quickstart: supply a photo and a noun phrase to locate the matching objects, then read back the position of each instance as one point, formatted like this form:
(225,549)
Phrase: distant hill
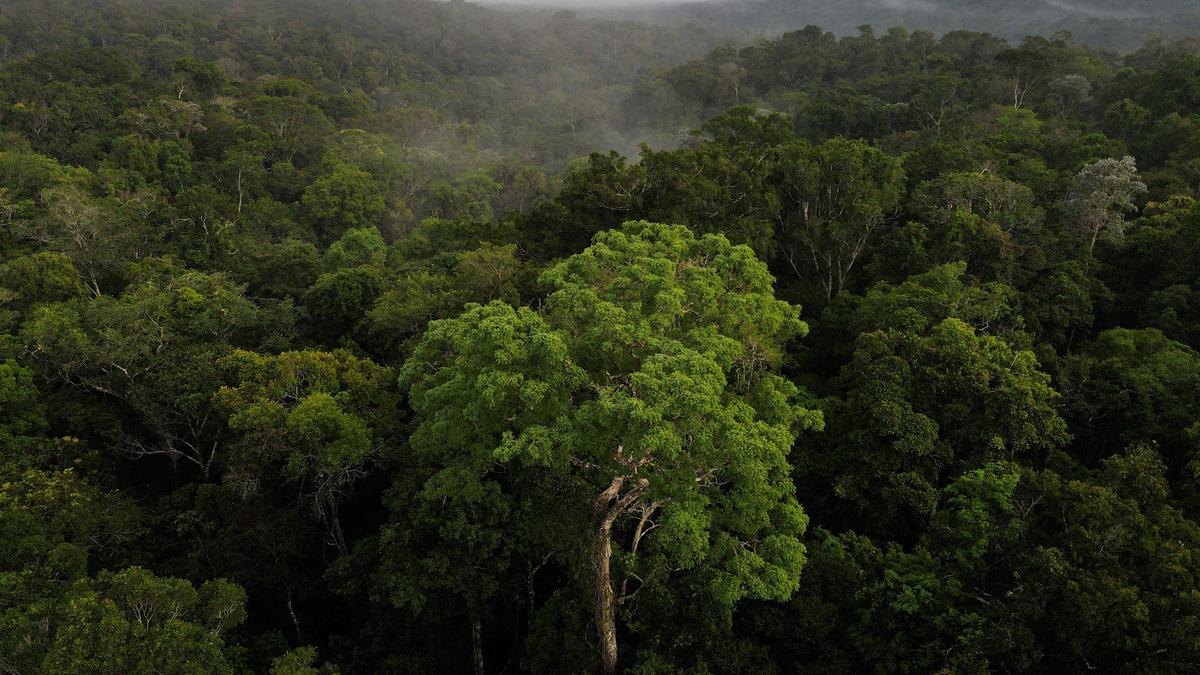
(1120,25)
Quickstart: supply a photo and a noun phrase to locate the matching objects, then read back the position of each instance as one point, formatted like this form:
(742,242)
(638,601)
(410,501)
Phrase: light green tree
(641,406)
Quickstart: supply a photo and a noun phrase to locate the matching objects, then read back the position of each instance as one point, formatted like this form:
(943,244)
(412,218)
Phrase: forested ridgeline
(312,358)
(1121,25)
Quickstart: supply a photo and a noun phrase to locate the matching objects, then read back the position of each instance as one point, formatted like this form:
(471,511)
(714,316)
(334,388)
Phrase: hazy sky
(579,3)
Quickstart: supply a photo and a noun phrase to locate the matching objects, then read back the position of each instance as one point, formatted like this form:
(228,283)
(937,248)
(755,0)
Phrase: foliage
(353,339)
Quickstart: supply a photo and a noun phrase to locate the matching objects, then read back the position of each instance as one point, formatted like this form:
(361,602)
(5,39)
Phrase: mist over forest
(759,336)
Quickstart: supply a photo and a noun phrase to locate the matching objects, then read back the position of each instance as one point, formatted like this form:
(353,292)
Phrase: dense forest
(395,336)
(1123,25)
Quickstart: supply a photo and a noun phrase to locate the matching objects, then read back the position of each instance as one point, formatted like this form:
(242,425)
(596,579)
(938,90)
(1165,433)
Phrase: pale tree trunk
(477,644)
(241,192)
(610,504)
(643,528)
(93,283)
(334,525)
(606,603)
(295,619)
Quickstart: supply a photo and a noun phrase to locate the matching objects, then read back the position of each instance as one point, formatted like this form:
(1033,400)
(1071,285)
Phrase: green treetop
(642,400)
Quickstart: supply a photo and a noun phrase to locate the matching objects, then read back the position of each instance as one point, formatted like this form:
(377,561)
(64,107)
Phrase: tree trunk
(606,604)
(477,644)
(610,504)
(334,523)
(295,619)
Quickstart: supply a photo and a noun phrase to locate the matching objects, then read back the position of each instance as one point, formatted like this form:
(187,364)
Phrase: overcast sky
(579,3)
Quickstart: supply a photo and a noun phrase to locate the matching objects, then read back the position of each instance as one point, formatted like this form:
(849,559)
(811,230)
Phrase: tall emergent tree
(642,402)
(1100,196)
(834,197)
